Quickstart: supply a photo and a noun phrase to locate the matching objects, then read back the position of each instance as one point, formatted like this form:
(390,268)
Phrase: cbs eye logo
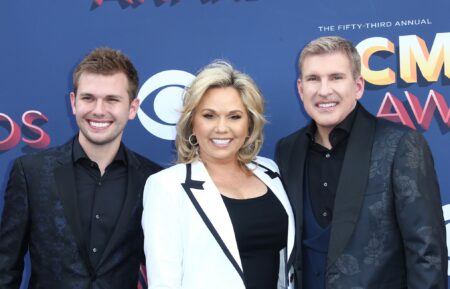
(166,88)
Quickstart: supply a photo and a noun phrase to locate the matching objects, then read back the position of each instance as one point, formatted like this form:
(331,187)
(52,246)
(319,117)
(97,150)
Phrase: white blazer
(189,240)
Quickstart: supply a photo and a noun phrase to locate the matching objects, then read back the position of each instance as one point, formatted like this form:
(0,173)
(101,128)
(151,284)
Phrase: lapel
(352,183)
(208,202)
(273,181)
(65,183)
(295,176)
(132,201)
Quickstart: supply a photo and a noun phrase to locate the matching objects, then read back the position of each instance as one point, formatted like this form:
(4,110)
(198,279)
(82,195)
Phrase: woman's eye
(235,117)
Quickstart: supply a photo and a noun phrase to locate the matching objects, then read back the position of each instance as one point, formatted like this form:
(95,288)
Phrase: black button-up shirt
(324,168)
(100,198)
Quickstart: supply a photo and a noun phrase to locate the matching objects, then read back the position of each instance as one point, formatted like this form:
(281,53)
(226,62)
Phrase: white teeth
(99,124)
(221,141)
(327,105)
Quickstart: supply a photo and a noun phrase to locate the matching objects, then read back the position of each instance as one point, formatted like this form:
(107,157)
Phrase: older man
(365,192)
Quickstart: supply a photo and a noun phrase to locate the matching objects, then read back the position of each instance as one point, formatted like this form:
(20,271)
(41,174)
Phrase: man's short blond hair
(332,44)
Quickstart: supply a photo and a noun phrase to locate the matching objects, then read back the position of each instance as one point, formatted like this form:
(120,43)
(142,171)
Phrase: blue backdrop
(41,42)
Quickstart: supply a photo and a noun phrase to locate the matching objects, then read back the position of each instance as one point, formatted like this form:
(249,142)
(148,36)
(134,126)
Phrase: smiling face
(221,124)
(328,90)
(102,108)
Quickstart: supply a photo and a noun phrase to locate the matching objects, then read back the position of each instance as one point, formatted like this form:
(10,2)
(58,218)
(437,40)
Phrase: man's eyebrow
(310,74)
(113,96)
(86,94)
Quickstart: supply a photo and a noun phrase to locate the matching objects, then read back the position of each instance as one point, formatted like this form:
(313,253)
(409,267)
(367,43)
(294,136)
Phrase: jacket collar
(352,183)
(66,189)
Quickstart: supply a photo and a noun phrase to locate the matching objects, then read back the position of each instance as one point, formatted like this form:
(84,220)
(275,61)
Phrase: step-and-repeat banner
(405,47)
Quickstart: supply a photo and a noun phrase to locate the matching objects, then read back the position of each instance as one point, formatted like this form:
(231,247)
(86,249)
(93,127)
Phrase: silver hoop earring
(193,140)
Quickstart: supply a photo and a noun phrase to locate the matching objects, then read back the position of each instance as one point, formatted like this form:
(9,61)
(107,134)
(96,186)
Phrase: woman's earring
(249,148)
(193,140)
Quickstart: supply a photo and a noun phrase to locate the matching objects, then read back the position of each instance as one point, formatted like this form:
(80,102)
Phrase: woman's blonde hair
(221,74)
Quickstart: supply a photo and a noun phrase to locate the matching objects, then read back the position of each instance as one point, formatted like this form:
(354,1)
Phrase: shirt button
(324,213)
(327,155)
(97,216)
(99,183)
(94,250)
(325,184)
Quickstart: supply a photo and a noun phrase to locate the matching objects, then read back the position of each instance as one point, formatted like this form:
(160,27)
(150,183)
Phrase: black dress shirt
(100,198)
(324,168)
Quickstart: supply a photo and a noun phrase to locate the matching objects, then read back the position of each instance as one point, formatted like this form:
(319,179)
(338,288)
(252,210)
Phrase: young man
(78,207)
(365,193)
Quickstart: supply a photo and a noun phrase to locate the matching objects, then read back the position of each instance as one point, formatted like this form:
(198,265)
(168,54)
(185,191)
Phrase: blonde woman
(220,218)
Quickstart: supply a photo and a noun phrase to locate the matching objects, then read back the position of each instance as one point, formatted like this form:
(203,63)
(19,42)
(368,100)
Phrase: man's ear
(72,102)
(300,88)
(134,107)
(359,87)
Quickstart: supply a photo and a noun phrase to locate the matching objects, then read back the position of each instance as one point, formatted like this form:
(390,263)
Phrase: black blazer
(40,214)
(388,229)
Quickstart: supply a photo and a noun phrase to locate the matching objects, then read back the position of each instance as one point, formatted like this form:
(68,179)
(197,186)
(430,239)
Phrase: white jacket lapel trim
(213,206)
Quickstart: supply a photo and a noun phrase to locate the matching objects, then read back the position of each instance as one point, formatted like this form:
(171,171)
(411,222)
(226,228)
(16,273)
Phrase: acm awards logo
(413,55)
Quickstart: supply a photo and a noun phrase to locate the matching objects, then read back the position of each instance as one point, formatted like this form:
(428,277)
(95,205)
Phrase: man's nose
(99,108)
(325,88)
